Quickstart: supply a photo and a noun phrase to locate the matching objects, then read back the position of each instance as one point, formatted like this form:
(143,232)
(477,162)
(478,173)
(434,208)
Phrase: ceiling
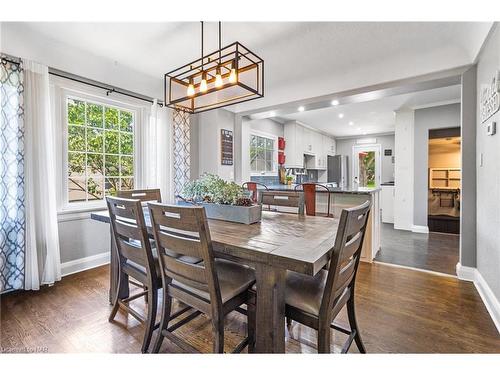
(371,117)
(302,59)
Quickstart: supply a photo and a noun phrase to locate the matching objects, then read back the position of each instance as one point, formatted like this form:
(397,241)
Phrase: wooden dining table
(280,242)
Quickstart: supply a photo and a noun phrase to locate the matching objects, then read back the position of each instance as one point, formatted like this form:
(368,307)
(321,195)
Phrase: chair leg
(351,313)
(218,329)
(251,316)
(151,318)
(324,338)
(289,323)
(165,319)
(114,310)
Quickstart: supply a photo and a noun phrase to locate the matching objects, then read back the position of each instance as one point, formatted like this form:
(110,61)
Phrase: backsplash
(266,180)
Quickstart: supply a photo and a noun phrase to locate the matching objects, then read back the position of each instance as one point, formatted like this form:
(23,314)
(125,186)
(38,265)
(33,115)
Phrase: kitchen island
(341,198)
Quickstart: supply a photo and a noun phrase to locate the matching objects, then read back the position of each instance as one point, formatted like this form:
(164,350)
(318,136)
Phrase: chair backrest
(283,199)
(184,230)
(345,257)
(130,235)
(144,195)
(310,189)
(252,186)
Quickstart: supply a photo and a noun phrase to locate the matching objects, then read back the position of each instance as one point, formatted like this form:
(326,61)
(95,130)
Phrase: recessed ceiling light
(335,102)
(364,133)
(351,123)
(341,115)
(301,109)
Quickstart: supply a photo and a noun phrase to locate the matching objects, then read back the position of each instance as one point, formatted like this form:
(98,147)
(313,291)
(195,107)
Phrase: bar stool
(310,189)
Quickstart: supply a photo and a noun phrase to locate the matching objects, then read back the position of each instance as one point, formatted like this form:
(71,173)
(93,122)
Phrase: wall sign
(226,147)
(490,98)
(388,152)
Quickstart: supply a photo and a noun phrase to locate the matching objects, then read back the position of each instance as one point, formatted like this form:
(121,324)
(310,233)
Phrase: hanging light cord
(202,46)
(220,44)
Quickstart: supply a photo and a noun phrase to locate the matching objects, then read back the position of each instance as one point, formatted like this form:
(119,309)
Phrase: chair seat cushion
(305,292)
(233,280)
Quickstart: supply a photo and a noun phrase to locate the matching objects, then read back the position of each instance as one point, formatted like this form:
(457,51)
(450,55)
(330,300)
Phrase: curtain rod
(109,89)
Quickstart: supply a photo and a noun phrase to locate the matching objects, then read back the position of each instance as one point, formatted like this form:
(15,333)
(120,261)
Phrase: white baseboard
(82,264)
(489,299)
(420,228)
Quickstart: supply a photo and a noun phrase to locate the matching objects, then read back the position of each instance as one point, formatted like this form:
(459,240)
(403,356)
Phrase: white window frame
(63,89)
(275,153)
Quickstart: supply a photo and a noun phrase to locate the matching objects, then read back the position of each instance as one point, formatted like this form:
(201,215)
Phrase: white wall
(344,147)
(488,175)
(403,170)
(446,116)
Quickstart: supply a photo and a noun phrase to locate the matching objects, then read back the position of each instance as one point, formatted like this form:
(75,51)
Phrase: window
(261,154)
(100,150)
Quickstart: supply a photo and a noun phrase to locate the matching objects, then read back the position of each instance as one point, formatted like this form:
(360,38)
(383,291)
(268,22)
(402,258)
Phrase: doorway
(366,166)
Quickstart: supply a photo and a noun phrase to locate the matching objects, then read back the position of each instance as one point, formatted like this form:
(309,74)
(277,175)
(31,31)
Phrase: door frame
(377,148)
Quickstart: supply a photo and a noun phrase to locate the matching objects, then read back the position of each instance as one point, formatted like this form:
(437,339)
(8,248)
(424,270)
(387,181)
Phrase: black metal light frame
(234,54)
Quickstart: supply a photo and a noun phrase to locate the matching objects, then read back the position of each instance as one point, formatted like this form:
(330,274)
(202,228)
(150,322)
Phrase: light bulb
(218,79)
(203,83)
(190,89)
(232,76)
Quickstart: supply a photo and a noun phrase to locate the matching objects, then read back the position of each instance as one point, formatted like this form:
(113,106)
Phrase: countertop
(281,187)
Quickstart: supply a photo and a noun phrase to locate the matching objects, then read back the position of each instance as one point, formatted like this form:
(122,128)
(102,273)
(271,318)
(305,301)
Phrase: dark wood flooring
(399,311)
(433,251)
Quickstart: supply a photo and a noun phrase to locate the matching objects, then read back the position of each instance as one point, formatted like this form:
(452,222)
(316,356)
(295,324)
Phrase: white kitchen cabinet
(387,204)
(308,140)
(294,146)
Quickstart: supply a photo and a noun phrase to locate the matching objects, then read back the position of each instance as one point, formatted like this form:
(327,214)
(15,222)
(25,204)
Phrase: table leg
(113,274)
(270,317)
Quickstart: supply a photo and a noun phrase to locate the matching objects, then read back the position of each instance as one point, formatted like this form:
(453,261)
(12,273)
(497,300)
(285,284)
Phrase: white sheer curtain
(156,151)
(42,264)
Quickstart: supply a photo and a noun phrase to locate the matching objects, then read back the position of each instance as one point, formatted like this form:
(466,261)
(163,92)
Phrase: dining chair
(214,287)
(310,190)
(283,199)
(316,300)
(144,195)
(252,187)
(135,259)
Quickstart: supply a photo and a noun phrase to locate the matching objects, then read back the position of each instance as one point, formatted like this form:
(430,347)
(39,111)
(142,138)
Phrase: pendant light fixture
(230,75)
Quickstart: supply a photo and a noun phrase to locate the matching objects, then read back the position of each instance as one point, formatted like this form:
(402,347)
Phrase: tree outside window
(100,150)
(261,154)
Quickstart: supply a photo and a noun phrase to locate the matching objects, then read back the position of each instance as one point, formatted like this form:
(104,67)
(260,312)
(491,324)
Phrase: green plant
(213,189)
(289,178)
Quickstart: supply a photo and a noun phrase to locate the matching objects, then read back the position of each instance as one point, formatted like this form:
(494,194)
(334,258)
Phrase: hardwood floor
(399,311)
(433,251)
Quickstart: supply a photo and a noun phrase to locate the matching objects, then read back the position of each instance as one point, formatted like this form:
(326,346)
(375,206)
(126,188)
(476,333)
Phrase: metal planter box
(236,214)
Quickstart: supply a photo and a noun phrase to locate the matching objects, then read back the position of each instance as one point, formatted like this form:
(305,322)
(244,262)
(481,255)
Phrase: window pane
(76,189)
(126,143)
(76,138)
(95,189)
(94,115)
(126,120)
(261,142)
(111,142)
(76,112)
(269,144)
(76,164)
(127,166)
(95,165)
(253,141)
(94,140)
(253,165)
(261,165)
(112,165)
(269,155)
(269,166)
(111,118)
(112,185)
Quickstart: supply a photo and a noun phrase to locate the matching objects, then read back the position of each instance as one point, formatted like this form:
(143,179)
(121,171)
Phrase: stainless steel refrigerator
(337,170)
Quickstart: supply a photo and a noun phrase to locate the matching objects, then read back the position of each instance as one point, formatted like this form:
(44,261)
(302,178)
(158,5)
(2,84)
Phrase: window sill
(77,213)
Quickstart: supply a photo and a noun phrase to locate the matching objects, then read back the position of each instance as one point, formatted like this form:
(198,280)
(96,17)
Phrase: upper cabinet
(301,140)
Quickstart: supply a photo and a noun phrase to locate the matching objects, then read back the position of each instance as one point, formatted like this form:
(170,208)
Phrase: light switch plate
(491,128)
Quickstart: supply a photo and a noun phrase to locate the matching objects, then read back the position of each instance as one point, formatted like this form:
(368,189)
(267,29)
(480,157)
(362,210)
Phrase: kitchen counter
(282,187)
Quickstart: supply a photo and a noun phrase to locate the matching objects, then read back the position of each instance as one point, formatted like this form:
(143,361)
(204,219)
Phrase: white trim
(437,104)
(420,229)
(435,273)
(489,299)
(274,137)
(82,264)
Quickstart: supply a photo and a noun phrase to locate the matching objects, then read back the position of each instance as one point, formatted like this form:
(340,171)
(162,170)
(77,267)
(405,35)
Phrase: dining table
(279,243)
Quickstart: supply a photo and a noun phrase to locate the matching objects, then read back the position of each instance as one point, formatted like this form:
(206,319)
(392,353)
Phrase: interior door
(366,166)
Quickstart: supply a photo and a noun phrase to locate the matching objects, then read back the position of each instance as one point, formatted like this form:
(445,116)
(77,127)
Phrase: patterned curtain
(12,208)
(181,140)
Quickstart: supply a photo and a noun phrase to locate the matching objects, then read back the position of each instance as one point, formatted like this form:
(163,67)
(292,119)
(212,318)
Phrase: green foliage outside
(213,189)
(101,147)
(367,169)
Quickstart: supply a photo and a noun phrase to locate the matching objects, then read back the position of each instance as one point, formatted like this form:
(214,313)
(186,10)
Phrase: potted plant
(289,180)
(222,200)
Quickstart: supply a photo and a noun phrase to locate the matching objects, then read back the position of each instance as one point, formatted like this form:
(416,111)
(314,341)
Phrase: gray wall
(344,147)
(446,116)
(488,180)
